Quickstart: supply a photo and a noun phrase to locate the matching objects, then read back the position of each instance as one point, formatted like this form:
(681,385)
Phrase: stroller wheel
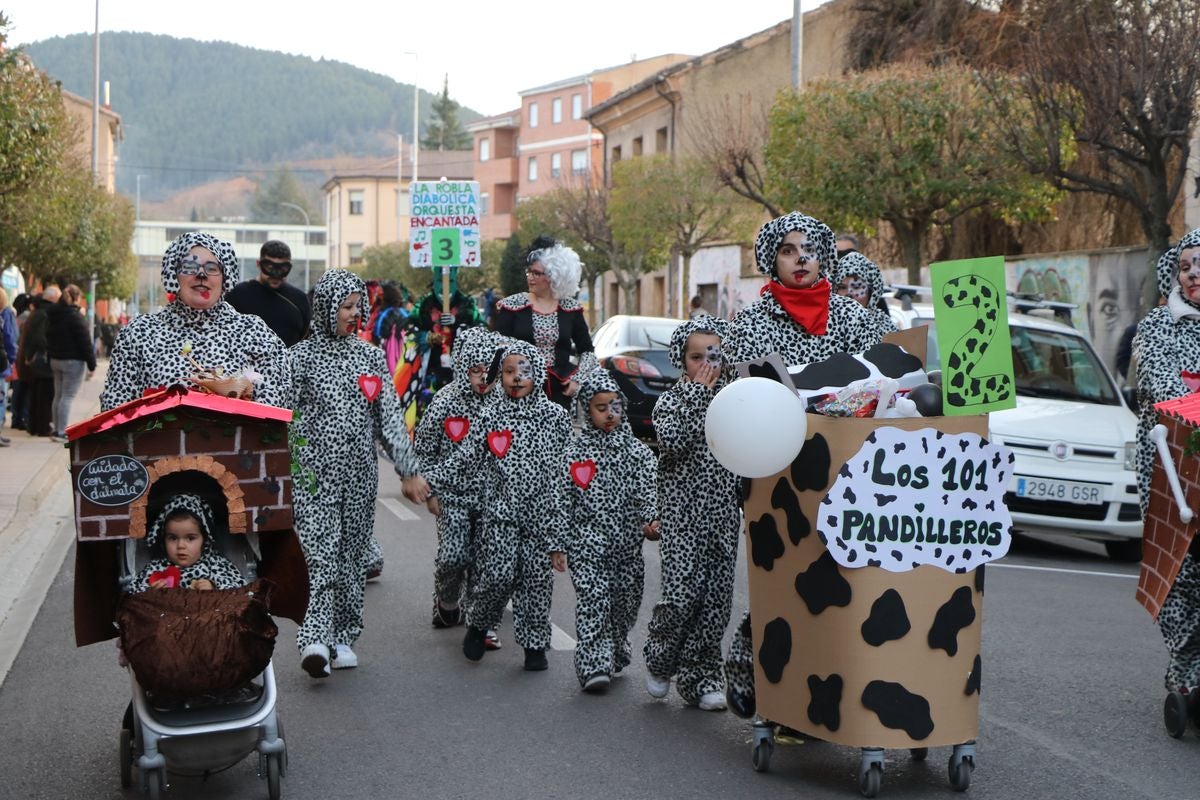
(154,785)
(126,758)
(273,769)
(1175,714)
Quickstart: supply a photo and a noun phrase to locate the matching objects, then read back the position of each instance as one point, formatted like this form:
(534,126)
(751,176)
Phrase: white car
(1072,433)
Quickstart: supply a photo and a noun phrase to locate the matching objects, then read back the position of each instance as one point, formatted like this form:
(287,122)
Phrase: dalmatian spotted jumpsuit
(865,284)
(340,392)
(610,493)
(211,564)
(701,516)
(517,451)
(149,352)
(765,327)
(450,416)
(1168,342)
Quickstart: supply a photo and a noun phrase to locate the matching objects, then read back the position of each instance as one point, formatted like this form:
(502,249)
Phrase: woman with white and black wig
(549,317)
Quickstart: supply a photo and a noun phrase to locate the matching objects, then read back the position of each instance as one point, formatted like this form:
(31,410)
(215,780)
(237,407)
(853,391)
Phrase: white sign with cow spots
(909,498)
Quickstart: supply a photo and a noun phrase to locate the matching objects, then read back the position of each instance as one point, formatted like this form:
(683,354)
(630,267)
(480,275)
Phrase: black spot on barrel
(955,614)
(825,706)
(898,709)
(888,620)
(766,544)
(822,586)
(975,678)
(810,469)
(979,578)
(776,649)
(784,499)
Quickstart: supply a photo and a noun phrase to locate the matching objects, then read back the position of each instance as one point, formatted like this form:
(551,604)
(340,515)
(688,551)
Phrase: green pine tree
(512,267)
(443,131)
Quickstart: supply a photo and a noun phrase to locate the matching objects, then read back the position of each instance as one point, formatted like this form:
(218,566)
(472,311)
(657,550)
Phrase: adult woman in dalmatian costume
(198,326)
(802,319)
(549,317)
(858,277)
(342,399)
(517,450)
(444,426)
(1167,343)
(610,489)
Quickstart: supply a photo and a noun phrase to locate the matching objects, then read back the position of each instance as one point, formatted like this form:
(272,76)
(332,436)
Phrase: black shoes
(473,645)
(446,617)
(535,660)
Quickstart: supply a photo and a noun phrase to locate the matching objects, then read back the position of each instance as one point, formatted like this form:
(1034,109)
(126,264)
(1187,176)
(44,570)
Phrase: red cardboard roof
(1186,408)
(175,397)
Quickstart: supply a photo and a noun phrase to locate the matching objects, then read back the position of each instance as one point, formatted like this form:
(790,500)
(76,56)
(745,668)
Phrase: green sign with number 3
(970,305)
(445,244)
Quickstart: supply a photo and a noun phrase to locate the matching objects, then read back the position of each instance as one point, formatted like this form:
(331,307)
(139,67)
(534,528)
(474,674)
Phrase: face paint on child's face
(348,315)
(477,375)
(184,541)
(606,411)
(854,287)
(516,375)
(702,349)
(1189,273)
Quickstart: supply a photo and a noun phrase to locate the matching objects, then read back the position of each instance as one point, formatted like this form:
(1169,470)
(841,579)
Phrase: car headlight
(1131,456)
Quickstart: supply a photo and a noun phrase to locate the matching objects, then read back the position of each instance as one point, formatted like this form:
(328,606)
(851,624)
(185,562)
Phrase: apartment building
(368,205)
(496,169)
(111,133)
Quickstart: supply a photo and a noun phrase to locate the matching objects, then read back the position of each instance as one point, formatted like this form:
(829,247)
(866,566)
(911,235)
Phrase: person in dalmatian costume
(517,450)
(183,516)
(197,326)
(443,429)
(1167,344)
(343,407)
(611,505)
(800,317)
(701,517)
(858,277)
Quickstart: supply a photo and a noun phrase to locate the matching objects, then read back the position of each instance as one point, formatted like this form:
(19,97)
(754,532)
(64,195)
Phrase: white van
(1072,433)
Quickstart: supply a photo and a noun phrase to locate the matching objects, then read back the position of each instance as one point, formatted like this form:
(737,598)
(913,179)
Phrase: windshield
(1048,364)
(655,335)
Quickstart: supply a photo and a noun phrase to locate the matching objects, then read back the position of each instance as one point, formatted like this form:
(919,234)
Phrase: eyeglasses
(535,273)
(193,266)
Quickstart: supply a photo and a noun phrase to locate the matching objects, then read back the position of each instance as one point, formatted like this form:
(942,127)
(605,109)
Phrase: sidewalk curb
(44,482)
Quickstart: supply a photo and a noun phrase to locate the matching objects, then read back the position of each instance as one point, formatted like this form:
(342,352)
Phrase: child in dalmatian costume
(858,277)
(153,350)
(701,516)
(800,317)
(200,566)
(1167,343)
(343,406)
(517,450)
(611,505)
(443,429)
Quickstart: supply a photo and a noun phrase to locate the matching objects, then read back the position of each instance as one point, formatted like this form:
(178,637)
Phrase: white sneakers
(314,659)
(596,683)
(711,701)
(656,686)
(345,658)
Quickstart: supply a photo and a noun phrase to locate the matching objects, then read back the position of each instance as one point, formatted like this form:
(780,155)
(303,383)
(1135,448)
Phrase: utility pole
(96,100)
(137,230)
(306,225)
(416,140)
(797,44)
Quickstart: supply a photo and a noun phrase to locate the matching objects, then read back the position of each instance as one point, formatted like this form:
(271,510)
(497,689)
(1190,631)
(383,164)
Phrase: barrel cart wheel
(764,746)
(961,765)
(870,772)
(1175,714)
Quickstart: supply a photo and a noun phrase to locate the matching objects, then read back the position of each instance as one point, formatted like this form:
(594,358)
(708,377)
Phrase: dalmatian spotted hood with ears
(601,380)
(770,239)
(537,366)
(472,347)
(328,295)
(211,564)
(231,271)
(866,270)
(1168,272)
(677,348)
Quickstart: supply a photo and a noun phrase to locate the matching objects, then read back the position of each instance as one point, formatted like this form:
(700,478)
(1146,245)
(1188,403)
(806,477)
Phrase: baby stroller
(200,736)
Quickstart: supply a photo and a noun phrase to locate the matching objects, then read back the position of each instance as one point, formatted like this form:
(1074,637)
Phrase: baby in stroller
(203,687)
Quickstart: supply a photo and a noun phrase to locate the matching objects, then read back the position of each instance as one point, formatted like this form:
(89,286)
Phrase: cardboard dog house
(233,452)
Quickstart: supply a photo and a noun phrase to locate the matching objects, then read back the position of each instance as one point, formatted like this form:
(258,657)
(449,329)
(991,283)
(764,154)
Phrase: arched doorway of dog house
(234,547)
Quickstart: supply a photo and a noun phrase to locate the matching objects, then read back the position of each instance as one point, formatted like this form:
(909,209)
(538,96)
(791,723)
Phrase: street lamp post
(416,140)
(137,230)
(306,225)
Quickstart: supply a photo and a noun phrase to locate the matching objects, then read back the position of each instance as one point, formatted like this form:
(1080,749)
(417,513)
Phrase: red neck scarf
(808,308)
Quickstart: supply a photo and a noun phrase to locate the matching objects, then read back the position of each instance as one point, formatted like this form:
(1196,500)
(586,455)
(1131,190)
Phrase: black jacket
(514,318)
(67,335)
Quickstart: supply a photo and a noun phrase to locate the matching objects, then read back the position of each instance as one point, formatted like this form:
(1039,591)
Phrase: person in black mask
(282,306)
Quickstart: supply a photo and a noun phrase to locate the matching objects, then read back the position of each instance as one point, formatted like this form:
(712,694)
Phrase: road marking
(559,639)
(399,509)
(1064,570)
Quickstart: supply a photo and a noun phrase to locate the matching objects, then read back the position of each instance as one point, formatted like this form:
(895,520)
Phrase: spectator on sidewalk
(71,355)
(33,362)
(282,306)
(20,388)
(8,356)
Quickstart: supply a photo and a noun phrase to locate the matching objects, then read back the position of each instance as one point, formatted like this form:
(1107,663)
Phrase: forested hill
(195,111)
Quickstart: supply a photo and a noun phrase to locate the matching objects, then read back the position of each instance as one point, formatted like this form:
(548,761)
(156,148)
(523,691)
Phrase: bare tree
(729,137)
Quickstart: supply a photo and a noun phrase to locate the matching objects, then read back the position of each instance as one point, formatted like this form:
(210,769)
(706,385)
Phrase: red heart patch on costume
(499,442)
(171,575)
(582,472)
(456,428)
(1190,379)
(370,386)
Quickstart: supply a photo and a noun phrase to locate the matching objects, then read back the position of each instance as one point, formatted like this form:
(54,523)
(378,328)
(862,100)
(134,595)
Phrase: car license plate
(1062,491)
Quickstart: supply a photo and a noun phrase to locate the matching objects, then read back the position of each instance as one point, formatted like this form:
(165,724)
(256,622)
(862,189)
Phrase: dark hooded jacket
(211,565)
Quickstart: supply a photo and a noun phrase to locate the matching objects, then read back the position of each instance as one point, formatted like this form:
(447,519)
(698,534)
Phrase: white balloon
(755,427)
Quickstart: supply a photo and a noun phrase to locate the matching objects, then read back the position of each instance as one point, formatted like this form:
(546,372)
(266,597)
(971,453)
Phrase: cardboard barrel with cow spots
(867,656)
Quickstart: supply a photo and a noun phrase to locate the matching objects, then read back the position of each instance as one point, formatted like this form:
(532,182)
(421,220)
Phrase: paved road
(1071,706)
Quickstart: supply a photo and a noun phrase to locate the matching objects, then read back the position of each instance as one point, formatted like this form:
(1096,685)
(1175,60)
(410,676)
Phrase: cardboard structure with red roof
(1166,536)
(234,451)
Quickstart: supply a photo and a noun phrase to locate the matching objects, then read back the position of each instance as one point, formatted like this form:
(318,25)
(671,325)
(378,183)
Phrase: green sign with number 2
(445,244)
(970,305)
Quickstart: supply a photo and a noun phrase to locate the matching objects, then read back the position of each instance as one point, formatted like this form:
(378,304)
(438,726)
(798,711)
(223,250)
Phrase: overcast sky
(491,50)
